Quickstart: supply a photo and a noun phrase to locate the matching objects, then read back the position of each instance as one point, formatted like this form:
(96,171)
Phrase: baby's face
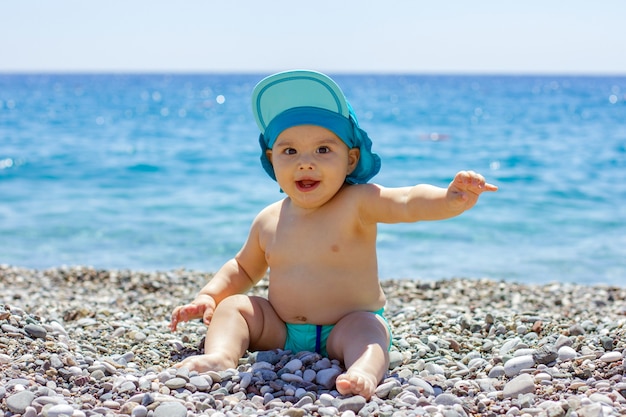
(311,163)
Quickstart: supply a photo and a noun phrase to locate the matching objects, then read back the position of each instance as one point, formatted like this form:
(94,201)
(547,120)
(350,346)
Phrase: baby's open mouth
(307,185)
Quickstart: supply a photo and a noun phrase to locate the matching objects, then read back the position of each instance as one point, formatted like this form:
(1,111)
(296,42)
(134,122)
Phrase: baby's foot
(205,363)
(357,382)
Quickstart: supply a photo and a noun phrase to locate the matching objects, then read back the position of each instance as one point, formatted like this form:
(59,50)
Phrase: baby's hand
(464,190)
(202,307)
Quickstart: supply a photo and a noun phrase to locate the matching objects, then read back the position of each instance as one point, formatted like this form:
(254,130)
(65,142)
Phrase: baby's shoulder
(360,192)
(269,212)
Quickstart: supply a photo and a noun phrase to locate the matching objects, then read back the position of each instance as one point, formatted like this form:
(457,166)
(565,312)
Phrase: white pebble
(611,357)
(566,353)
(515,365)
(60,410)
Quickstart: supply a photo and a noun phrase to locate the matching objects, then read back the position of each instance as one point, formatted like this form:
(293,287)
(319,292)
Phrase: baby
(319,242)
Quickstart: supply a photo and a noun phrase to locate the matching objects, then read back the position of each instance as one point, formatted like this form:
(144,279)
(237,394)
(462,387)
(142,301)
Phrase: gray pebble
(139,411)
(293,365)
(426,388)
(291,378)
(395,359)
(56,362)
(497,371)
(60,410)
(35,330)
(447,399)
(515,365)
(200,382)
(382,391)
(354,404)
(509,345)
(18,402)
(126,387)
(521,384)
(30,412)
(545,354)
(175,383)
(327,377)
(170,409)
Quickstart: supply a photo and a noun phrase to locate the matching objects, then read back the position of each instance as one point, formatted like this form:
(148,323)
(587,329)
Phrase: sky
(352,36)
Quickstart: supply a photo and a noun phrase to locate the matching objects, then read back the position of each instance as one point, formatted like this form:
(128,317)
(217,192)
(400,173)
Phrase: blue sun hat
(302,97)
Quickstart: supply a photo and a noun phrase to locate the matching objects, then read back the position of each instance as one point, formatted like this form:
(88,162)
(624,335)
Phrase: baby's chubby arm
(237,276)
(425,202)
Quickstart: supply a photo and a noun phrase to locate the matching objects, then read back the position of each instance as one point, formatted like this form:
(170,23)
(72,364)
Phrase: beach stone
(597,397)
(30,412)
(18,402)
(175,383)
(293,412)
(328,411)
(36,331)
(56,362)
(521,384)
(60,410)
(327,377)
(566,353)
(576,330)
(126,387)
(497,371)
(12,383)
(395,359)
(591,410)
(382,391)
(201,383)
(293,365)
(292,378)
(424,386)
(514,365)
(447,399)
(354,404)
(563,340)
(509,345)
(139,411)
(309,375)
(170,409)
(545,354)
(611,357)
(268,356)
(435,369)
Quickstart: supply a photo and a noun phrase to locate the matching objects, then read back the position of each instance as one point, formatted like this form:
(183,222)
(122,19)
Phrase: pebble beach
(77,341)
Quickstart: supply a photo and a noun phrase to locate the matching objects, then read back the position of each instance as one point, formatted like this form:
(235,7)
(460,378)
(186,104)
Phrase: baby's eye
(323,149)
(289,151)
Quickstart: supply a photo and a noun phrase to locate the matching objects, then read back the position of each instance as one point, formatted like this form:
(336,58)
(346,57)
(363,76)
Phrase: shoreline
(97,341)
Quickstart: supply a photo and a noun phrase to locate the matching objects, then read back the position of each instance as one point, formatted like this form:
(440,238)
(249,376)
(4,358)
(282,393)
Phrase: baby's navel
(300,318)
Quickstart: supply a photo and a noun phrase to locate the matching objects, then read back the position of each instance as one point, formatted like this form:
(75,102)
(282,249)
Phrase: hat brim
(290,89)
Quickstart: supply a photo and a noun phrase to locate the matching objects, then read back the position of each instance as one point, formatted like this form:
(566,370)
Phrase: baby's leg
(361,341)
(239,323)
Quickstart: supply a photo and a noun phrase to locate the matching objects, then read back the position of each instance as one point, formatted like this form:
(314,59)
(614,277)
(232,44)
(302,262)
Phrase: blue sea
(160,172)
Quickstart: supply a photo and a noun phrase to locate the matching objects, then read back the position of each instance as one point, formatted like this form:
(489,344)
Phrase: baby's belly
(323,302)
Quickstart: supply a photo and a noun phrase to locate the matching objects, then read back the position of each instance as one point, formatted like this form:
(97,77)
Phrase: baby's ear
(353,159)
(268,154)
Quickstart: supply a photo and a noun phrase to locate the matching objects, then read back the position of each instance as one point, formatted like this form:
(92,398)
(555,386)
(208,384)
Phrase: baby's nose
(306,163)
